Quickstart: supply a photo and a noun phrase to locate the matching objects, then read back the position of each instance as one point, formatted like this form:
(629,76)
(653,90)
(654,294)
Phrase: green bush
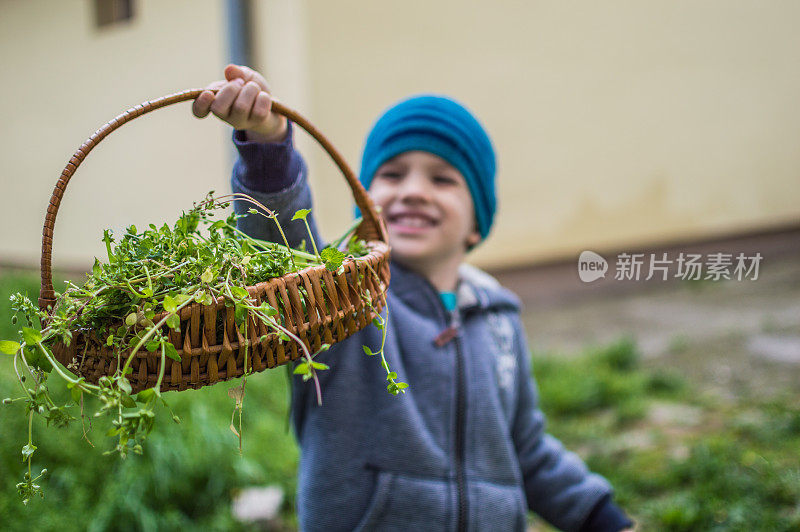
(602,378)
(186,478)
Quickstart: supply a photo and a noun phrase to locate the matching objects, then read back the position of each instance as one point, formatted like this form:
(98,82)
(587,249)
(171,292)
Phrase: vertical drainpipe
(237,14)
(239,31)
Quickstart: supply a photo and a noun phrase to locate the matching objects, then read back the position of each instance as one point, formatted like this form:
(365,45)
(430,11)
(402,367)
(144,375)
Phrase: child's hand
(244,102)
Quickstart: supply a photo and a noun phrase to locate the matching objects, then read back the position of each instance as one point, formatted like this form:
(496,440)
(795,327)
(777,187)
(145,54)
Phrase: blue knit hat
(443,127)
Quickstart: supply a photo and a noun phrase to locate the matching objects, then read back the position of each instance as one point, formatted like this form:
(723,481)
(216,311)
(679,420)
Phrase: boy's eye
(388,174)
(444,180)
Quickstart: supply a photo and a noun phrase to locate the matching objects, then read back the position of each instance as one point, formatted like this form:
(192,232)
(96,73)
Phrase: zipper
(460,426)
(451,333)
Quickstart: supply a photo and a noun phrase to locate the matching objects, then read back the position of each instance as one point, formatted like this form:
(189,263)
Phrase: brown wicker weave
(316,305)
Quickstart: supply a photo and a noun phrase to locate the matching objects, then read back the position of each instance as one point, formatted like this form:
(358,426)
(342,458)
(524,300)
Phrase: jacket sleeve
(275,175)
(558,485)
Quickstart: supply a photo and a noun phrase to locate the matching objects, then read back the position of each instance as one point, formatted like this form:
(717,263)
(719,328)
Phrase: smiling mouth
(412,221)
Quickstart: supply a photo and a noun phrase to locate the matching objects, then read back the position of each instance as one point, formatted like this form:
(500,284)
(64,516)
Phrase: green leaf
(391,375)
(319,365)
(252,211)
(124,385)
(28,451)
(35,358)
(267,309)
(401,385)
(208,275)
(180,299)
(108,239)
(240,314)
(174,322)
(8,347)
(301,214)
(367,350)
(128,402)
(110,340)
(332,257)
(302,369)
(239,292)
(131,319)
(169,304)
(31,336)
(76,393)
(203,297)
(284,337)
(171,352)
(377,323)
(96,269)
(145,395)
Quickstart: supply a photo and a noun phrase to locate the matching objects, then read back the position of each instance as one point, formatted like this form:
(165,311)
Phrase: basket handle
(372,227)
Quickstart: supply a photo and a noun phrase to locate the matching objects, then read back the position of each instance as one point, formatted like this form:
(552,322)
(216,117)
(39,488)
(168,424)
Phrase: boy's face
(428,210)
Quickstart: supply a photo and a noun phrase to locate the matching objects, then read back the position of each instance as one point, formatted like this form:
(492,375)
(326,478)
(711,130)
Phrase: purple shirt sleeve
(267,167)
(606,517)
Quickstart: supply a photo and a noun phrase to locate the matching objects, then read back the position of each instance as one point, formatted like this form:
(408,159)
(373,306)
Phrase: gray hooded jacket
(464,448)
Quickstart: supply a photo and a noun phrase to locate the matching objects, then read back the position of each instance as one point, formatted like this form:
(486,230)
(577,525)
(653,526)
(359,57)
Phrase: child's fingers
(261,108)
(202,104)
(247,74)
(233,71)
(221,107)
(243,105)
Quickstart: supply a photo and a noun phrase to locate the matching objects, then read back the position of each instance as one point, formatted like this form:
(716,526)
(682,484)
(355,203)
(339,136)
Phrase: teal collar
(448,300)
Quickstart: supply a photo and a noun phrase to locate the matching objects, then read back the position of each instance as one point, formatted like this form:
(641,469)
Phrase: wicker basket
(318,306)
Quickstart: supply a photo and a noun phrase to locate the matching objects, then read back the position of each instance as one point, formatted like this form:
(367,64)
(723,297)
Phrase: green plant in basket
(130,303)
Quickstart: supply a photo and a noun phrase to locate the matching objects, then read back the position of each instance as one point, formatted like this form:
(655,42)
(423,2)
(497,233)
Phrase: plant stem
(19,377)
(161,369)
(57,367)
(30,441)
(270,214)
(311,237)
(267,245)
(150,333)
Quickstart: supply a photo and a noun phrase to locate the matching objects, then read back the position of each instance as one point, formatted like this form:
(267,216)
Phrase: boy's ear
(473,239)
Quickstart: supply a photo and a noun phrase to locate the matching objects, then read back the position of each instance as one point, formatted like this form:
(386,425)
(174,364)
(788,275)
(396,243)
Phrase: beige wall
(62,79)
(616,123)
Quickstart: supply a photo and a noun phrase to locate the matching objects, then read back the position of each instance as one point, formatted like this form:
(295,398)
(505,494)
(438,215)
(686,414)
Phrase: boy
(465,447)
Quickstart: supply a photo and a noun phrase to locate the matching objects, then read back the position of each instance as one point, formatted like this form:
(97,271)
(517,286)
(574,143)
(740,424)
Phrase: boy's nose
(415,188)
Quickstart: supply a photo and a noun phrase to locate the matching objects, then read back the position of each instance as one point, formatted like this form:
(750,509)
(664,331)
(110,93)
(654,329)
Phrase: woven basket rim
(218,360)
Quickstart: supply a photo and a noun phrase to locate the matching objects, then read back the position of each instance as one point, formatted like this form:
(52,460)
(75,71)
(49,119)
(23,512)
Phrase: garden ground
(685,395)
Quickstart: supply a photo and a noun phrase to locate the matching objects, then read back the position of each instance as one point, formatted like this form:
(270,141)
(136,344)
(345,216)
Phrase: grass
(679,459)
